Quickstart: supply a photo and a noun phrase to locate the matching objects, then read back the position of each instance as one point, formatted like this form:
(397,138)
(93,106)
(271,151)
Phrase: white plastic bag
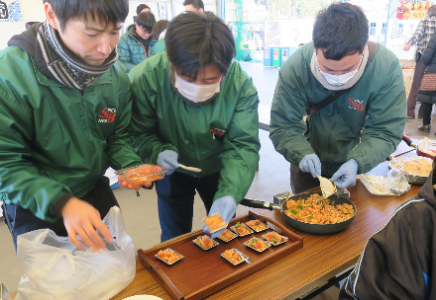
(56,270)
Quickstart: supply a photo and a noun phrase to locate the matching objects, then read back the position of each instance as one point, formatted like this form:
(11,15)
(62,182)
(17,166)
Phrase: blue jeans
(21,220)
(176,200)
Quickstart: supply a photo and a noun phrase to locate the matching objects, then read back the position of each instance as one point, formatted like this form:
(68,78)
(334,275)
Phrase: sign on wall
(162,8)
(10,11)
(412,9)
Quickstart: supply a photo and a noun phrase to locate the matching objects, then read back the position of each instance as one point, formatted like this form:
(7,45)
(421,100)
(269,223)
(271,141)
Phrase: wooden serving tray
(201,273)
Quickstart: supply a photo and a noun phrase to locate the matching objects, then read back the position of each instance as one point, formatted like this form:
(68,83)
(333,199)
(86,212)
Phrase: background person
(397,262)
(159,31)
(428,98)
(360,128)
(195,105)
(65,109)
(423,33)
(137,43)
(194,6)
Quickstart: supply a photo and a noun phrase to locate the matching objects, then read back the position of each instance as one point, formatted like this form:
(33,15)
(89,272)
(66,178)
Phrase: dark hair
(146,20)
(158,27)
(197,4)
(340,30)
(108,11)
(432,11)
(195,40)
(141,7)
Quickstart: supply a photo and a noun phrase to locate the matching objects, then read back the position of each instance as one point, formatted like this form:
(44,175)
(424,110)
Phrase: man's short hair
(341,29)
(197,4)
(158,27)
(432,11)
(108,11)
(141,7)
(196,40)
(146,20)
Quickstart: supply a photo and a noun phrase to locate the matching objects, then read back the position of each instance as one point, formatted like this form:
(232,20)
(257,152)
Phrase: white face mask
(339,80)
(194,92)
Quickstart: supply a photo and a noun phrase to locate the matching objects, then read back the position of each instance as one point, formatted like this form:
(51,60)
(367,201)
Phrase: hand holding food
(311,164)
(226,208)
(346,175)
(81,218)
(168,160)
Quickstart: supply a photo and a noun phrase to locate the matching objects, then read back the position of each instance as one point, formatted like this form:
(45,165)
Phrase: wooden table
(321,258)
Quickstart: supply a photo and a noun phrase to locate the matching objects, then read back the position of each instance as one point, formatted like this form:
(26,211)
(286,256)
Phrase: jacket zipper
(87,127)
(145,50)
(194,140)
(330,135)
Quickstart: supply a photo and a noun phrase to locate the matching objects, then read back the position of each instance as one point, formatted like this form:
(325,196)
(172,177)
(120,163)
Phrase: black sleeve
(388,267)
(427,56)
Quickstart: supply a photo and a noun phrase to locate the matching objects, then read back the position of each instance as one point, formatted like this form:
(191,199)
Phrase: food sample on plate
(141,175)
(169,256)
(414,165)
(318,210)
(257,225)
(205,242)
(274,238)
(227,235)
(214,223)
(241,229)
(234,257)
(257,244)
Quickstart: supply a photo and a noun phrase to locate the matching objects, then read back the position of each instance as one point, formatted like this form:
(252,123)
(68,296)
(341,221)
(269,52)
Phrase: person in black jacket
(428,99)
(398,261)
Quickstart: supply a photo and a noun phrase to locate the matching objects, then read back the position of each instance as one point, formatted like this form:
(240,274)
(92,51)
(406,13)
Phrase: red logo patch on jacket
(108,115)
(217,132)
(356,104)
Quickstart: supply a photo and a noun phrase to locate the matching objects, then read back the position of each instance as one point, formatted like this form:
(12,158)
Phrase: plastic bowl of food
(142,174)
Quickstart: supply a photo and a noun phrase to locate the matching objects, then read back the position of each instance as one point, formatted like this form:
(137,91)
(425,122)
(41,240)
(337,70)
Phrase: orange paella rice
(318,210)
(168,255)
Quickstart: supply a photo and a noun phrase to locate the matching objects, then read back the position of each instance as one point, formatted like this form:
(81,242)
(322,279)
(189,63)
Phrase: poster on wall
(10,11)
(162,8)
(412,9)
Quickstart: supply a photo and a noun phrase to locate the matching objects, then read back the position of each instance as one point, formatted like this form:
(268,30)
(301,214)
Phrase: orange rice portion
(318,210)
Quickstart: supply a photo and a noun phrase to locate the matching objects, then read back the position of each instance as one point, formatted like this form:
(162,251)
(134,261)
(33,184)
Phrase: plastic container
(244,257)
(170,264)
(249,244)
(214,243)
(142,174)
(283,238)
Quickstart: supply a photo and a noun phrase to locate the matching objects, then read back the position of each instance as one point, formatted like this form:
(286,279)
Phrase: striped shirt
(423,33)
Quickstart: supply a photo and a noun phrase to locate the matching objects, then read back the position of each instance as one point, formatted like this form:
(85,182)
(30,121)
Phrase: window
(372,29)
(384,28)
(400,29)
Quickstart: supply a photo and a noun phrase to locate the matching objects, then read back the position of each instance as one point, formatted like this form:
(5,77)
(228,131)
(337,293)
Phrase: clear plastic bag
(395,184)
(56,270)
(4,294)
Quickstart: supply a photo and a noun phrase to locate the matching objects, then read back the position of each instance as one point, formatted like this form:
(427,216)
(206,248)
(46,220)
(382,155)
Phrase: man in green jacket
(361,127)
(195,106)
(136,45)
(65,110)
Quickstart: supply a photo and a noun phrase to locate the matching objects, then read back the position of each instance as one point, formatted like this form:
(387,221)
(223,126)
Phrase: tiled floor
(141,213)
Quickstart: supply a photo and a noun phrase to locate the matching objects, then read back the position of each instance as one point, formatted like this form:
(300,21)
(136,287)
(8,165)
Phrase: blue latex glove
(168,160)
(348,172)
(311,164)
(226,207)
